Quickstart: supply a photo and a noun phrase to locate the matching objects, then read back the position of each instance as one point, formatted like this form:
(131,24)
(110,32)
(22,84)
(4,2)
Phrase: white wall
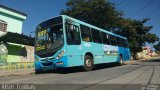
(13,25)
(14,20)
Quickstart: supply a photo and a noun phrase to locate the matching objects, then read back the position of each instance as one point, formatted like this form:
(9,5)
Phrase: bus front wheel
(38,71)
(88,63)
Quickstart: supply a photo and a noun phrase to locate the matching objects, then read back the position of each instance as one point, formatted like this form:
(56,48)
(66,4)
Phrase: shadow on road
(153,60)
(79,69)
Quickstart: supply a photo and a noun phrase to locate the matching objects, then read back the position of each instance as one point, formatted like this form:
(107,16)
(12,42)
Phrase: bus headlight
(60,54)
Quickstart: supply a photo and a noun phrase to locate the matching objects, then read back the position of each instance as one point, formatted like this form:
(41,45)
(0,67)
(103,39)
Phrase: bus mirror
(71,27)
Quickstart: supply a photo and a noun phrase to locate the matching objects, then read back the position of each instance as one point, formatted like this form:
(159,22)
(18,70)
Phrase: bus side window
(73,34)
(105,38)
(113,40)
(124,43)
(85,33)
(96,36)
(119,42)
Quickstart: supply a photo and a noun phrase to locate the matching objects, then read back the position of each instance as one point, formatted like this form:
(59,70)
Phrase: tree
(157,47)
(102,13)
(137,33)
(151,38)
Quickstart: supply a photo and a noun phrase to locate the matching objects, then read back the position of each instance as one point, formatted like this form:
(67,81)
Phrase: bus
(63,41)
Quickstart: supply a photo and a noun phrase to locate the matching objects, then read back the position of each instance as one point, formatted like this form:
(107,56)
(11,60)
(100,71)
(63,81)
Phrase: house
(3,28)
(13,55)
(146,53)
(11,20)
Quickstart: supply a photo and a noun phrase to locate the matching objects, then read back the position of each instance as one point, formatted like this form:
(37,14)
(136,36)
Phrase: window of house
(3,26)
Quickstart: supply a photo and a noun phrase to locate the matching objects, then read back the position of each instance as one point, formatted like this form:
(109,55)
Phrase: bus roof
(91,26)
(86,24)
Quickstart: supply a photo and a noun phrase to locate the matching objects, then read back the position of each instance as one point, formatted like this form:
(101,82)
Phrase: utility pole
(31,33)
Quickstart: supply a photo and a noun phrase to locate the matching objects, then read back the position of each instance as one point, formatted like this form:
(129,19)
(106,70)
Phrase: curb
(131,62)
(20,72)
(16,72)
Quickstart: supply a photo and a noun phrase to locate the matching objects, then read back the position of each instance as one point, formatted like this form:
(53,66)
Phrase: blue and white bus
(63,41)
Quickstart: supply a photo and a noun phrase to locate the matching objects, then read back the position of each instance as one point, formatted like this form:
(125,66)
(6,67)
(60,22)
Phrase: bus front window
(49,37)
(54,37)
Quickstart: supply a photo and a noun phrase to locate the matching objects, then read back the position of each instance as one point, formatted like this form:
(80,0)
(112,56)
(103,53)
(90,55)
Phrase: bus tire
(88,63)
(38,71)
(121,62)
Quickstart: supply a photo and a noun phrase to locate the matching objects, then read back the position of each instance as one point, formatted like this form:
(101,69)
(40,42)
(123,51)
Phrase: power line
(135,3)
(155,11)
(121,2)
(141,9)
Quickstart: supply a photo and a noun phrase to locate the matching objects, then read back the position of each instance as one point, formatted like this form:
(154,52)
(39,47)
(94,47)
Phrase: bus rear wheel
(88,63)
(121,62)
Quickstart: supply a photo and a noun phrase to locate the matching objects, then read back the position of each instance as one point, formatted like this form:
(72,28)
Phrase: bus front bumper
(51,64)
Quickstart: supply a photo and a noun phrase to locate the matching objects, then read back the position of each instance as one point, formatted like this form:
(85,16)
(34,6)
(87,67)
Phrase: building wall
(16,56)
(14,25)
(20,53)
(13,19)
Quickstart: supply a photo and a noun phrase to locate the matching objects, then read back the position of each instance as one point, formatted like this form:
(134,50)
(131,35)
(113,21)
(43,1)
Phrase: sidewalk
(140,60)
(4,73)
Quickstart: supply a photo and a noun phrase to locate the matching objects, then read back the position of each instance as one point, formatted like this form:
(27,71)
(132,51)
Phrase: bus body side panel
(75,56)
(98,52)
(128,55)
(121,50)
(110,53)
(125,52)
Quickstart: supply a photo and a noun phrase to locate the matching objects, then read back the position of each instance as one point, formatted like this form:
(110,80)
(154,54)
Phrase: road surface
(143,73)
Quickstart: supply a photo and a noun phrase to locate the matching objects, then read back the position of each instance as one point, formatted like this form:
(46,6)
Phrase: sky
(140,9)
(40,10)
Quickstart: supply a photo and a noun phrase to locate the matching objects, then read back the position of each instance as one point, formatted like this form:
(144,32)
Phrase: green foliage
(157,47)
(100,13)
(17,38)
(151,38)
(136,33)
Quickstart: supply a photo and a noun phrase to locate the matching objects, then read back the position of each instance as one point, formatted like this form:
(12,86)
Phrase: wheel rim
(88,63)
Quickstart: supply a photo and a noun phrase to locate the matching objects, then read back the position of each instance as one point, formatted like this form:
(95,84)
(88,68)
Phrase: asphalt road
(103,77)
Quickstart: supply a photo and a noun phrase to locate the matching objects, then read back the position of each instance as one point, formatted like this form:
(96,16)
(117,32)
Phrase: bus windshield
(49,36)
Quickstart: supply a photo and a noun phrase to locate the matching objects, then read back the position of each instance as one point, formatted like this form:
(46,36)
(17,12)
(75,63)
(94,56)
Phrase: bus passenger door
(73,44)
